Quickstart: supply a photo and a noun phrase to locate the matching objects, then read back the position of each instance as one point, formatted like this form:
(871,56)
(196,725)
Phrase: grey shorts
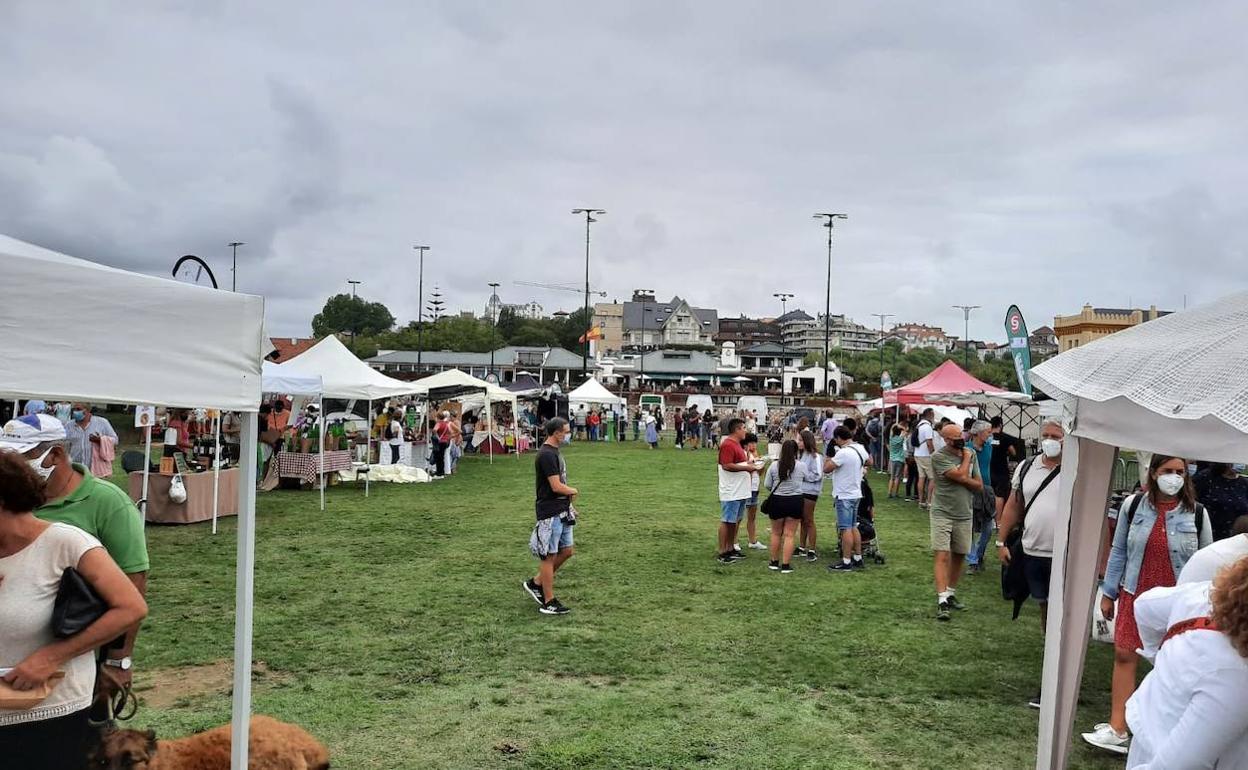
(953,535)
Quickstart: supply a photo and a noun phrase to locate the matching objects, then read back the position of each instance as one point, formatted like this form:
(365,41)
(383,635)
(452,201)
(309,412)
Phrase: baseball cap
(26,433)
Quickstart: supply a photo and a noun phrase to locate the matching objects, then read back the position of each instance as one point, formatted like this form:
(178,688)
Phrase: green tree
(508,323)
(344,313)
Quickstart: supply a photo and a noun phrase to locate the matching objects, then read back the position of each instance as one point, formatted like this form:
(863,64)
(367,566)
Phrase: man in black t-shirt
(1005,449)
(551,540)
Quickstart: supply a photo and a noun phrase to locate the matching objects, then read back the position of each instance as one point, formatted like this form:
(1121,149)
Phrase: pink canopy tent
(946,378)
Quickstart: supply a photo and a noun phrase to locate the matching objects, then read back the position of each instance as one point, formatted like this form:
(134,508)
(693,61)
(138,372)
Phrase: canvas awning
(342,374)
(1174,385)
(592,392)
(275,379)
(946,378)
(76,330)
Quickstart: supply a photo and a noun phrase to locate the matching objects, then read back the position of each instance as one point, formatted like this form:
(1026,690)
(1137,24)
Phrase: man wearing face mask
(95,506)
(955,475)
(1035,504)
(1224,492)
(84,431)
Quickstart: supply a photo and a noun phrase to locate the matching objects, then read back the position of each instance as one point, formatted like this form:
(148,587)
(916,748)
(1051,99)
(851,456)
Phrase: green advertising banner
(1020,346)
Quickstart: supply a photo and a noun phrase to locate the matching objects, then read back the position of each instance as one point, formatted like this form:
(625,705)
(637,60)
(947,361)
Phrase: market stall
(471,393)
(1172,385)
(116,317)
(207,496)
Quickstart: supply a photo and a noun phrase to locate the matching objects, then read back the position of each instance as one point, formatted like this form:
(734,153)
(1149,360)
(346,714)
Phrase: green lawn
(395,628)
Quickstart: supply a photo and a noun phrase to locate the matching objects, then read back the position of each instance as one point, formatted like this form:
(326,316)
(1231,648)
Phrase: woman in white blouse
(34,555)
(1192,709)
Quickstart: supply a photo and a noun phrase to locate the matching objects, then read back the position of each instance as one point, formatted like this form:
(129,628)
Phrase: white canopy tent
(277,379)
(472,393)
(592,392)
(1174,385)
(95,352)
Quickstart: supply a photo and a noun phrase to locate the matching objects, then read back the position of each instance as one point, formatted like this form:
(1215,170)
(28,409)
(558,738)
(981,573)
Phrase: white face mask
(1171,483)
(1051,447)
(37,465)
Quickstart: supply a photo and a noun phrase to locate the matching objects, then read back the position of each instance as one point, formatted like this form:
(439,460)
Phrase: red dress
(1155,571)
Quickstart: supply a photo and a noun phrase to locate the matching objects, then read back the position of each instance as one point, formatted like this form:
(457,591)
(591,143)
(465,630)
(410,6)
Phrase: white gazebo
(1175,385)
(592,392)
(80,331)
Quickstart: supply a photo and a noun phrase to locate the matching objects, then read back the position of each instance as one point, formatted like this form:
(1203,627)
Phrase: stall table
(305,467)
(198,505)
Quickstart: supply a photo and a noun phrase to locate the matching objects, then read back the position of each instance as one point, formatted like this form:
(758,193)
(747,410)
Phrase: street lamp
(234,269)
(420,307)
(827,308)
(493,322)
(882,316)
(353,285)
(966,331)
(644,294)
(784,298)
(589,219)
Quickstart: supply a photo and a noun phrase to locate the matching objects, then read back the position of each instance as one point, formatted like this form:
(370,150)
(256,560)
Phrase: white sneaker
(757,546)
(736,547)
(1105,737)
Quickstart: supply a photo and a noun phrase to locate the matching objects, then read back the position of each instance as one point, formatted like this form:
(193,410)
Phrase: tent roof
(76,330)
(1176,384)
(592,391)
(277,380)
(947,378)
(453,383)
(342,374)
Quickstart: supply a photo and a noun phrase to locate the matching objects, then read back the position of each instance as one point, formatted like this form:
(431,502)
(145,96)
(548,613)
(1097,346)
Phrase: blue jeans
(593,433)
(980,547)
(846,513)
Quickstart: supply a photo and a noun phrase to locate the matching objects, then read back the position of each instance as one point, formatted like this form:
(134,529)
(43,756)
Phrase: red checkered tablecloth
(305,467)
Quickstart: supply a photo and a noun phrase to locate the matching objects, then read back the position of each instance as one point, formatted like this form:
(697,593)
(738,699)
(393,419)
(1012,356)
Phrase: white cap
(26,433)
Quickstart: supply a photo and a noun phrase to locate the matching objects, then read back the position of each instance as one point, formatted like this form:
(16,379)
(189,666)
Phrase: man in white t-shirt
(923,456)
(846,469)
(1208,561)
(735,473)
(1038,510)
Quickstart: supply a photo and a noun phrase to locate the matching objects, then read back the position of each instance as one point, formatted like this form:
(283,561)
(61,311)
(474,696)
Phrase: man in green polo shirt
(95,506)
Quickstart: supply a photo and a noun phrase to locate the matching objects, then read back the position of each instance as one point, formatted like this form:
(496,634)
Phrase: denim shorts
(847,513)
(732,510)
(1038,569)
(560,535)
(897,468)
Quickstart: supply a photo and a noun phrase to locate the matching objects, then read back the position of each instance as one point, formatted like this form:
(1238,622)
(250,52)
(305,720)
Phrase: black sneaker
(799,551)
(736,555)
(726,558)
(858,563)
(534,590)
(1035,701)
(553,607)
(773,564)
(954,604)
(840,566)
(786,569)
(811,555)
(942,611)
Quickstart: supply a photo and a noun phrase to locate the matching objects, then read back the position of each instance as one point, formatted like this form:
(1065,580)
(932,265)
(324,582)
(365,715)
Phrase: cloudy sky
(986,153)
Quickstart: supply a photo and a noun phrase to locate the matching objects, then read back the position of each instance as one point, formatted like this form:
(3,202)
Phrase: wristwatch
(121,663)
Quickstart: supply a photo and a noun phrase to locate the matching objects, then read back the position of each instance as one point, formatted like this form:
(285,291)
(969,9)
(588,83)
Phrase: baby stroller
(866,526)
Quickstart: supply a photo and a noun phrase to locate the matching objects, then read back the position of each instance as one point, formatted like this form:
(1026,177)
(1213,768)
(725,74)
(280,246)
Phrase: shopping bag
(1102,627)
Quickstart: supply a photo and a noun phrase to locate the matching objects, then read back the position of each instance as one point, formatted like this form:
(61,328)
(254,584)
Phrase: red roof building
(286,348)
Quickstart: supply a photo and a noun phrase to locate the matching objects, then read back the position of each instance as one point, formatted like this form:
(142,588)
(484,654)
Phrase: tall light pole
(353,285)
(493,322)
(420,307)
(966,332)
(882,316)
(589,219)
(644,309)
(827,308)
(234,269)
(784,299)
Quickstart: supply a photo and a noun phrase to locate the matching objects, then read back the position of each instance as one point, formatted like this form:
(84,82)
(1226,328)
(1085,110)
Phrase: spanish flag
(593,334)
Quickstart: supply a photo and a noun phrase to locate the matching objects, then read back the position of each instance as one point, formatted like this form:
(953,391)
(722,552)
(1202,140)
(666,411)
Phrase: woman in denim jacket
(1149,550)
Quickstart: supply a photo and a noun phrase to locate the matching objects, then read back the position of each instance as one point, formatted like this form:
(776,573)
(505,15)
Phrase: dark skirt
(785,506)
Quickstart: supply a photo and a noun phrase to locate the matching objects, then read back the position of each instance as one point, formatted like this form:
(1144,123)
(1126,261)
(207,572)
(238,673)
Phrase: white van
(699,402)
(754,404)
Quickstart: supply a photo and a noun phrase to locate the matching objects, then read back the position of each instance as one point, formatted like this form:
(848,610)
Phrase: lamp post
(882,316)
(589,219)
(420,308)
(784,298)
(493,322)
(645,293)
(353,285)
(827,308)
(234,268)
(966,332)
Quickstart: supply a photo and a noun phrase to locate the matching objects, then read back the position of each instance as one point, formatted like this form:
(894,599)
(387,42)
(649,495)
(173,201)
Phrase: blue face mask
(77,415)
(1238,467)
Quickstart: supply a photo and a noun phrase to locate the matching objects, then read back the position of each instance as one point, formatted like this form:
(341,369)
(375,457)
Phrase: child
(896,460)
(750,445)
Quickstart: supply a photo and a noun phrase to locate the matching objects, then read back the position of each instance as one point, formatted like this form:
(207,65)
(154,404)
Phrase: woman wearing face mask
(1222,490)
(1158,531)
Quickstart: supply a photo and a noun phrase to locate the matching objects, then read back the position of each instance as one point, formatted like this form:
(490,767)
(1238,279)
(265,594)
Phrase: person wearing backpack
(1163,527)
(1031,513)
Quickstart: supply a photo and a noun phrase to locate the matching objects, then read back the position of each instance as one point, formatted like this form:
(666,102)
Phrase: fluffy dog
(273,745)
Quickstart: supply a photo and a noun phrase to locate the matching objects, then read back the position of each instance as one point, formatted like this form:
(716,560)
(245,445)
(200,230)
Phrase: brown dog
(273,745)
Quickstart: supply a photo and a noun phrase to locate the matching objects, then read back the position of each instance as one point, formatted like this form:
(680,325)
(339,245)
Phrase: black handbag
(77,605)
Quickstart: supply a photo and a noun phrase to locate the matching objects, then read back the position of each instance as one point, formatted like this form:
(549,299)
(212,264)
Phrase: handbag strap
(1191,624)
(1047,480)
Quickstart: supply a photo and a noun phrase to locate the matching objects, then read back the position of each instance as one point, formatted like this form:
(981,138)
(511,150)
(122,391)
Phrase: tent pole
(147,469)
(320,433)
(368,447)
(244,595)
(489,435)
(216,471)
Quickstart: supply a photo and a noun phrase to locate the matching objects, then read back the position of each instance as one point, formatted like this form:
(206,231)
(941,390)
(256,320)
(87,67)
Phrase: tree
(508,323)
(344,313)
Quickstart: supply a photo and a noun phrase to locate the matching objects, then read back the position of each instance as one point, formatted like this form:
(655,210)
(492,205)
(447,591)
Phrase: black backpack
(1201,514)
(914,437)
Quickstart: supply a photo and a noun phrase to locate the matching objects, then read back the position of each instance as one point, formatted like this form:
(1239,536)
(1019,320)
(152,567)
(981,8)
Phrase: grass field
(395,628)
